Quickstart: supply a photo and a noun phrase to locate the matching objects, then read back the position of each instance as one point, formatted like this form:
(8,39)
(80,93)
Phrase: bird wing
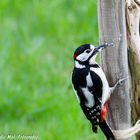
(94,86)
(86,83)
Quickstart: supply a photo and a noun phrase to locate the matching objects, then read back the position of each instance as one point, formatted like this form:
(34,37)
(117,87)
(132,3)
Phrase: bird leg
(119,82)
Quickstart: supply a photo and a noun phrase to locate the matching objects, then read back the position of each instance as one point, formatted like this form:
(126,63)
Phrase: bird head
(87,53)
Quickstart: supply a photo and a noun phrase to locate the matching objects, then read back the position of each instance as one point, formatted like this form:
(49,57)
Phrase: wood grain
(114,60)
(133,38)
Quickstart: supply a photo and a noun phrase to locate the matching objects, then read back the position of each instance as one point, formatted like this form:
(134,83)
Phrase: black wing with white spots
(93,114)
(79,82)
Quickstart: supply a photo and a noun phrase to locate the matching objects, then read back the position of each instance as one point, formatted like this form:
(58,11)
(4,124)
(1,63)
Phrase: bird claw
(120,82)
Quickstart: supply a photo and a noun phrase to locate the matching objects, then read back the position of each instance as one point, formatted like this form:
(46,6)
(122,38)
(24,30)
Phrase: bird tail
(94,128)
(106,130)
(119,134)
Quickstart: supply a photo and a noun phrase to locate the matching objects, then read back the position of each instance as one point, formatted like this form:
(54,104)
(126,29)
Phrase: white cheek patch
(82,57)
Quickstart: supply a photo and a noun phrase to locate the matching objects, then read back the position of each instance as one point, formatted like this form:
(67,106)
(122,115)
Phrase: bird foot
(119,82)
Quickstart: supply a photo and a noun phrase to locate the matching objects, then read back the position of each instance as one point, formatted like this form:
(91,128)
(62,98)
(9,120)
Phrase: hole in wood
(139,99)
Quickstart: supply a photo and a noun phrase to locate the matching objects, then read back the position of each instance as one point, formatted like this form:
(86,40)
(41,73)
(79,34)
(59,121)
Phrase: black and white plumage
(91,87)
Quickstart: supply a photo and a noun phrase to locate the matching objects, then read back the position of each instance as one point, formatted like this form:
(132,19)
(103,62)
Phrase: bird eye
(88,51)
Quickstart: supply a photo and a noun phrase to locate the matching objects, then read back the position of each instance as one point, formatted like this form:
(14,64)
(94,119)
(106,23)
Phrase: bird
(91,87)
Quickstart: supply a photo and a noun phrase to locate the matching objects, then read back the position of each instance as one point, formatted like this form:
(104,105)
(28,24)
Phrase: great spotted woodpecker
(91,87)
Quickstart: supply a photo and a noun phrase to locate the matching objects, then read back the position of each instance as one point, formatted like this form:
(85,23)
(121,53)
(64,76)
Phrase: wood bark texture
(133,37)
(114,60)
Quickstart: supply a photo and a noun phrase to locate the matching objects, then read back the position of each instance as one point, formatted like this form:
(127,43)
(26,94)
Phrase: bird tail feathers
(106,130)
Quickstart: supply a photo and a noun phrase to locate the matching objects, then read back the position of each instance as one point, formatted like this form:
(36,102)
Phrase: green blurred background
(37,40)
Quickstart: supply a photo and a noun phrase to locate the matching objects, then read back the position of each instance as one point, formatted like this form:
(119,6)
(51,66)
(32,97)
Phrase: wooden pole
(114,61)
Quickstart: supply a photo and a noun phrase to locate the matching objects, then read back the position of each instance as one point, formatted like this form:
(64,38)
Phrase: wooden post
(133,37)
(114,61)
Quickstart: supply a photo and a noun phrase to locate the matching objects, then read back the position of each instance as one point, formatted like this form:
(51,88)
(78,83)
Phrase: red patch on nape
(74,56)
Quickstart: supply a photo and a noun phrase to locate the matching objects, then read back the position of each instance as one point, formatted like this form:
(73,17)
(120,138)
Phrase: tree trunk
(133,29)
(114,60)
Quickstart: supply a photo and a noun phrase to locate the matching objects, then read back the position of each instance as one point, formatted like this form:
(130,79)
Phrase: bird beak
(101,47)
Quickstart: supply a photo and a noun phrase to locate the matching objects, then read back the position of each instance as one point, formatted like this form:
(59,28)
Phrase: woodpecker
(91,87)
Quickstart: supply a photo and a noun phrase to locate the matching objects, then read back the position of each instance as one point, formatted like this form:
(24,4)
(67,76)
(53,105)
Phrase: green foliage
(37,39)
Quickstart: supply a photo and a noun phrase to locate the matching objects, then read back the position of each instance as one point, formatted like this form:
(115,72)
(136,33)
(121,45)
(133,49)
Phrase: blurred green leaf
(37,39)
